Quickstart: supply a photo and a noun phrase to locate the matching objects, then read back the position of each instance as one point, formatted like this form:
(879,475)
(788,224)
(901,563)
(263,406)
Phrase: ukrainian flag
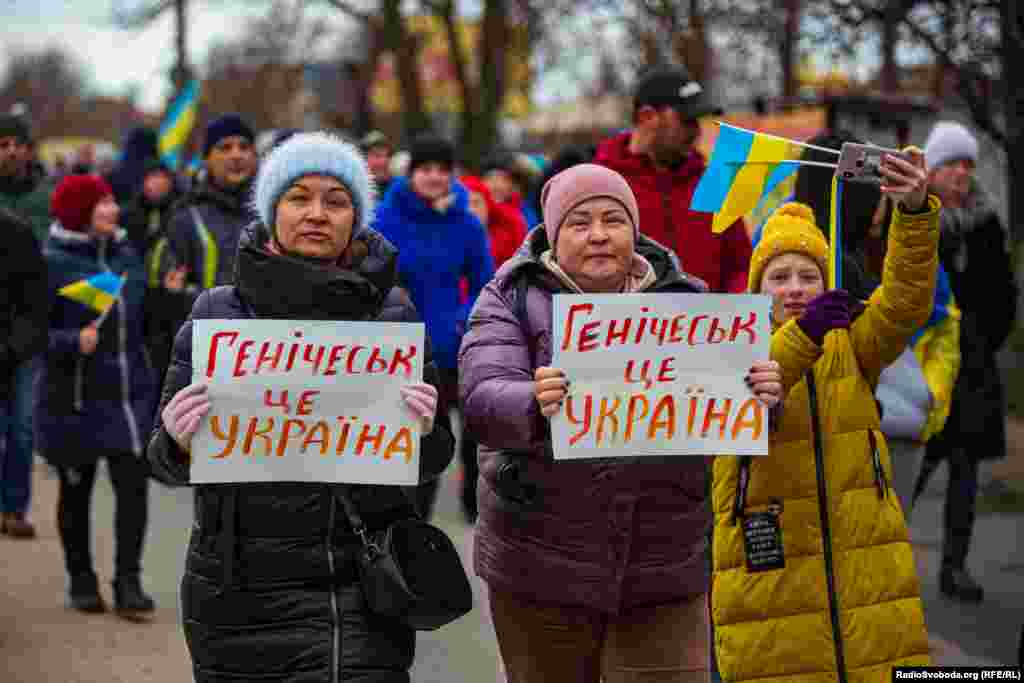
(98,292)
(744,167)
(177,124)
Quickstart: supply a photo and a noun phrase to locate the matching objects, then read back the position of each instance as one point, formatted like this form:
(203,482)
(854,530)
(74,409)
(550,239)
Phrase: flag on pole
(744,167)
(98,292)
(178,123)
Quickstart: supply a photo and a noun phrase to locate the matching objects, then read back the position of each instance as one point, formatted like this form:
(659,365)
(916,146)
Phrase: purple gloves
(828,311)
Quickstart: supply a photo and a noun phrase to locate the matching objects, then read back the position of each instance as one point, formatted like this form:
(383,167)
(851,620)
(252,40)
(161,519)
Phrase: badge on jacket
(762,539)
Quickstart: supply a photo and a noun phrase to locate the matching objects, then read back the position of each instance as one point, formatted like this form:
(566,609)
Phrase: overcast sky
(114,59)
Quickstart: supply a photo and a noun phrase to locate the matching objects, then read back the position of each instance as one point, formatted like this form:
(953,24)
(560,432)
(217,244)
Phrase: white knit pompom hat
(314,154)
(949,141)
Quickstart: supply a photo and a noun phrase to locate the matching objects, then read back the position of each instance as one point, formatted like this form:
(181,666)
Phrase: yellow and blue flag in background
(744,167)
(98,292)
(178,123)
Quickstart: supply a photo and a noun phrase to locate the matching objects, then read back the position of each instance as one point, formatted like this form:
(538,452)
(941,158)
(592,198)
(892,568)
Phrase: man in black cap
(660,161)
(378,150)
(24,188)
(205,226)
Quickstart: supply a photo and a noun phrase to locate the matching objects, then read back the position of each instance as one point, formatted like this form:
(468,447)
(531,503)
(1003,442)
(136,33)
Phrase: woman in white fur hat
(271,589)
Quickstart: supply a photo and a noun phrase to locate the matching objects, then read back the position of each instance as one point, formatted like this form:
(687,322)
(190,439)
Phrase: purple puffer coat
(608,535)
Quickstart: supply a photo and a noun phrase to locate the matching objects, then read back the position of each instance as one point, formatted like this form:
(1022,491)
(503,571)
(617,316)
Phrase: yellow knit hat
(790,228)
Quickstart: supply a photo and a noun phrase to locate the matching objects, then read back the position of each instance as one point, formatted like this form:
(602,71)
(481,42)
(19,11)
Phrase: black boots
(130,601)
(958,584)
(84,595)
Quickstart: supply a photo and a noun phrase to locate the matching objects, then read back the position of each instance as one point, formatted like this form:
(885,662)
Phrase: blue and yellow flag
(178,123)
(98,292)
(744,167)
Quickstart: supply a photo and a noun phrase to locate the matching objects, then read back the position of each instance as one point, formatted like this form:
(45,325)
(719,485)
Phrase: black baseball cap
(673,87)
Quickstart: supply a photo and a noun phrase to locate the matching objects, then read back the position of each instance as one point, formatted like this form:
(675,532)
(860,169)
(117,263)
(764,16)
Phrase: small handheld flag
(744,167)
(178,123)
(98,292)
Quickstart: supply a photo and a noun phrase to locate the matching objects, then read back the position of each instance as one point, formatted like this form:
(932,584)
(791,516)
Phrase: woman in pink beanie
(96,390)
(595,569)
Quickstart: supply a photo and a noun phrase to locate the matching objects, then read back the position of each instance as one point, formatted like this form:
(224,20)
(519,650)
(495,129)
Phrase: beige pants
(906,457)
(660,644)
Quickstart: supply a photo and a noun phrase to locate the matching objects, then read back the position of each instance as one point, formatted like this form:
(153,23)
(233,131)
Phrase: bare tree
(385,20)
(50,85)
(261,73)
(141,14)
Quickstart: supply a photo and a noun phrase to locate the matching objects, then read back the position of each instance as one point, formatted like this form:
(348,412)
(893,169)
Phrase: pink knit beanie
(577,184)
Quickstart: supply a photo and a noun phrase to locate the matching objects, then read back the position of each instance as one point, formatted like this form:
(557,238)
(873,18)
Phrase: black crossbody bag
(410,571)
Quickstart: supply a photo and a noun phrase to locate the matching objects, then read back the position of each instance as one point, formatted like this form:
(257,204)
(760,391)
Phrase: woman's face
(478,207)
(595,245)
(315,217)
(792,280)
(105,216)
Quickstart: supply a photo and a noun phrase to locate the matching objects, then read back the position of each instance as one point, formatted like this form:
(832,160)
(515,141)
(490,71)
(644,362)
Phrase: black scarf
(285,288)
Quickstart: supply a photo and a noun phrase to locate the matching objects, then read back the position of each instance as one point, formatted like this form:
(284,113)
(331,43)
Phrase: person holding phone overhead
(271,588)
(595,569)
(838,597)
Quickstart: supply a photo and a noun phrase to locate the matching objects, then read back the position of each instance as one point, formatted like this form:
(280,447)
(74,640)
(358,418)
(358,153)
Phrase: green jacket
(29,197)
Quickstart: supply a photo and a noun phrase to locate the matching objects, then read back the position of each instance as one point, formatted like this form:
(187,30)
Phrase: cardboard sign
(659,374)
(313,401)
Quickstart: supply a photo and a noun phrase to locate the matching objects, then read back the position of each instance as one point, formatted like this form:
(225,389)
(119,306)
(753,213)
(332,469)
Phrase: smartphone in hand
(860,163)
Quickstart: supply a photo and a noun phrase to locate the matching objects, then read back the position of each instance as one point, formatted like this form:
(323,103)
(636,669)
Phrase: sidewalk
(42,642)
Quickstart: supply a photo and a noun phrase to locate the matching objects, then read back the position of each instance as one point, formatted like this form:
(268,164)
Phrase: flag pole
(777,137)
(823,164)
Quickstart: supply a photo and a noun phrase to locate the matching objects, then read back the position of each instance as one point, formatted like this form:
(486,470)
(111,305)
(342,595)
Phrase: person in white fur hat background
(973,251)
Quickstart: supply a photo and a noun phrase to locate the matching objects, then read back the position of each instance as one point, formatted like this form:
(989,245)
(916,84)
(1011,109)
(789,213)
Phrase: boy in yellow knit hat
(814,579)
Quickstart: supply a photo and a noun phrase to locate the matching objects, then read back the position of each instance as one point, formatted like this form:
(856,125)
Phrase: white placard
(659,374)
(314,401)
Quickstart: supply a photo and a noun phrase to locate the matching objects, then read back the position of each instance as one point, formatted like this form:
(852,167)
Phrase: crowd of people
(596,570)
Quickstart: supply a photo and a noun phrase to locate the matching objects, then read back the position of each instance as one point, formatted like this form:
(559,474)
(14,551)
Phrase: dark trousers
(16,434)
(131,493)
(426,494)
(961,494)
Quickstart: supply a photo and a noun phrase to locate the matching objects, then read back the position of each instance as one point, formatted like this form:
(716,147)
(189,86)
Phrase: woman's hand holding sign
(422,400)
(182,414)
(550,387)
(765,380)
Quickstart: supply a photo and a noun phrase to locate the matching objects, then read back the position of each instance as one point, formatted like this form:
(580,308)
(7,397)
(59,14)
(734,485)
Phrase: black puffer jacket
(270,591)
(24,297)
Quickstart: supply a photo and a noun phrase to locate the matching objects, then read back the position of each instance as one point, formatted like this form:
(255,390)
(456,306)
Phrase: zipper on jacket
(876,460)
(826,529)
(79,399)
(335,617)
(126,383)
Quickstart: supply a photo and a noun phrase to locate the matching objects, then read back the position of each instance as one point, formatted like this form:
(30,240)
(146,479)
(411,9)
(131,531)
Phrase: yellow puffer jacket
(849,591)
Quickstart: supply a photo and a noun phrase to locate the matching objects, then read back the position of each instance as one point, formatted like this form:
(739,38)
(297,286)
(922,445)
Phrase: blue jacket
(101,404)
(435,250)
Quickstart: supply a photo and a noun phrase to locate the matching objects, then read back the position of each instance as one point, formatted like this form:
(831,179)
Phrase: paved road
(40,641)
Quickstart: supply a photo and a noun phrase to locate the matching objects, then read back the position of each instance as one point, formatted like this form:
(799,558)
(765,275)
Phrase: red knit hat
(75,199)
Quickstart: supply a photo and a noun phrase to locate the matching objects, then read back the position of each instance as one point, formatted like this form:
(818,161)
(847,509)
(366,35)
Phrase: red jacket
(664,198)
(506,226)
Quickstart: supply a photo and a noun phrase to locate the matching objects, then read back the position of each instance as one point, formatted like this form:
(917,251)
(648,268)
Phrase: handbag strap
(355,520)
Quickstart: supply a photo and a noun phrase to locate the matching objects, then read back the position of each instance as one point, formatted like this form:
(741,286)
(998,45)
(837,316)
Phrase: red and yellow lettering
(666,405)
(265,358)
(211,361)
(588,410)
(365,438)
(711,415)
(305,404)
(282,444)
(608,412)
(573,310)
(403,360)
(242,357)
(268,400)
(253,433)
(231,438)
(400,443)
(632,417)
(322,434)
(747,327)
(756,422)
